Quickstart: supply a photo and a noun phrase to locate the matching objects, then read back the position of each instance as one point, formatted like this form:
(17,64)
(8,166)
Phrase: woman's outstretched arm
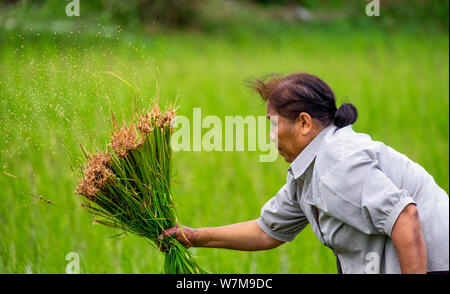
(245,236)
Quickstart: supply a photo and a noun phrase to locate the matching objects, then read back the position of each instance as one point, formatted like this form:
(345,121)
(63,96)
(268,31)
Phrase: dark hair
(301,92)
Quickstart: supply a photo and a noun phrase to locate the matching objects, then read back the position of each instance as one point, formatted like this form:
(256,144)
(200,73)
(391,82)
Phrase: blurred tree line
(204,14)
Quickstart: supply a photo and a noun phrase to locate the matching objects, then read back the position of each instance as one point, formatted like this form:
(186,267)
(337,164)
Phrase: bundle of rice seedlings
(129,186)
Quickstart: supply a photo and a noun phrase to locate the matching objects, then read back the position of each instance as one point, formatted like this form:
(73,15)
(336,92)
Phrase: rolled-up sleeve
(282,217)
(358,192)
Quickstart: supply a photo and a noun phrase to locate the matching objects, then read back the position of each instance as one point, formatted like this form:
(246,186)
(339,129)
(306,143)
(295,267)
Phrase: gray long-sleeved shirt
(359,187)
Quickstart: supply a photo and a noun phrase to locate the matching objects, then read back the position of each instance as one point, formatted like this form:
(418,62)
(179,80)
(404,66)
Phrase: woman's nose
(273,137)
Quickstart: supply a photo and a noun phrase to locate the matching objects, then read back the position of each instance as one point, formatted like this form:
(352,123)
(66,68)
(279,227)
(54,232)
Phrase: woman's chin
(288,159)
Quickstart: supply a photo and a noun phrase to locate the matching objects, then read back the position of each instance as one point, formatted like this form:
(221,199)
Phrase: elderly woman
(378,211)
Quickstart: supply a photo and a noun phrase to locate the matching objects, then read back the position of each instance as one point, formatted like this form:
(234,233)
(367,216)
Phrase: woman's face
(291,137)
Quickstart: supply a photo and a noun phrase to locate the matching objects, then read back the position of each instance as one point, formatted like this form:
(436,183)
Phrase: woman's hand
(184,235)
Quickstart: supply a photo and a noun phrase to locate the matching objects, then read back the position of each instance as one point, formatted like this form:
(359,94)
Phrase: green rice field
(55,95)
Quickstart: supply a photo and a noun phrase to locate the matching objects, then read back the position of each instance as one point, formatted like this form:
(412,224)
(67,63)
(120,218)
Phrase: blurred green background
(55,95)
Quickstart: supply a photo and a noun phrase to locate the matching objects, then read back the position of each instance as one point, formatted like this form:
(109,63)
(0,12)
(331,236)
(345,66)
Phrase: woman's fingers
(180,234)
(168,233)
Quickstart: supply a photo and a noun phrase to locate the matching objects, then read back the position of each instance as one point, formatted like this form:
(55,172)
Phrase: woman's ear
(304,122)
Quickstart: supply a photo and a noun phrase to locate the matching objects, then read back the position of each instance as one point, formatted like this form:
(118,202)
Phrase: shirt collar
(304,159)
